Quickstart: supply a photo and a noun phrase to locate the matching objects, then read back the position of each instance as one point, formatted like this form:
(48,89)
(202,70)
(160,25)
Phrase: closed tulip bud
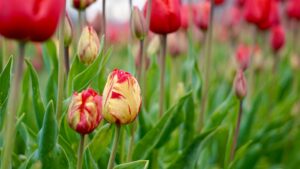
(82,4)
(257,11)
(201,13)
(277,38)
(88,46)
(293,9)
(68,31)
(240,85)
(138,24)
(121,98)
(242,56)
(84,113)
(218,2)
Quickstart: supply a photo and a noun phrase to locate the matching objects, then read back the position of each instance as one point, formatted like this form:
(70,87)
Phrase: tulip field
(182,84)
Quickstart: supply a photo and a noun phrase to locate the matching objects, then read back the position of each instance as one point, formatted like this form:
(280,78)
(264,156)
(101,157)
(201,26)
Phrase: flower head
(243,54)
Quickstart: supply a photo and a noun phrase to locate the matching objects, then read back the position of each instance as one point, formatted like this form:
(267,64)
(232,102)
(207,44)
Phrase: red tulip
(165,16)
(234,16)
(185,16)
(201,13)
(34,20)
(277,38)
(240,3)
(293,9)
(257,11)
(273,17)
(219,2)
(82,4)
(240,85)
(242,56)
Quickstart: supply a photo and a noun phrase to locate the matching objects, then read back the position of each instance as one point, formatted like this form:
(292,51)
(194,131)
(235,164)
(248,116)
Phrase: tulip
(201,13)
(242,56)
(293,9)
(96,22)
(185,16)
(68,34)
(240,85)
(88,46)
(121,98)
(138,24)
(277,38)
(218,2)
(32,20)
(165,16)
(257,11)
(85,109)
(82,4)
(273,17)
(240,3)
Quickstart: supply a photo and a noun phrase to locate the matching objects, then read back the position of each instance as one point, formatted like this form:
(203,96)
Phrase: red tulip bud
(218,2)
(201,13)
(277,38)
(138,24)
(185,16)
(121,98)
(165,16)
(240,85)
(272,19)
(88,45)
(293,9)
(82,4)
(243,54)
(84,113)
(257,11)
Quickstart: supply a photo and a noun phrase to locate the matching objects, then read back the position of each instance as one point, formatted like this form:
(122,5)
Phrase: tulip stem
(80,151)
(131,143)
(60,85)
(163,40)
(236,133)
(104,20)
(112,157)
(13,105)
(67,61)
(140,64)
(276,62)
(208,49)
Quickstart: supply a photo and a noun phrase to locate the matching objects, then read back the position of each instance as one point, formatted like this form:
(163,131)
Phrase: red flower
(234,16)
(293,9)
(257,11)
(242,56)
(240,3)
(277,38)
(185,16)
(34,20)
(165,16)
(201,13)
(219,2)
(273,17)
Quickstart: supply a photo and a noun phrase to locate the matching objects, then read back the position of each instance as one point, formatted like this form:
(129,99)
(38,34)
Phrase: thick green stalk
(60,91)
(207,67)
(113,153)
(236,133)
(80,152)
(13,105)
(163,42)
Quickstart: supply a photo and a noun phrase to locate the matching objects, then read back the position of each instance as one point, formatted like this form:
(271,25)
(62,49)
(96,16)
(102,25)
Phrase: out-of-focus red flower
(96,22)
(257,11)
(273,17)
(33,20)
(219,2)
(277,38)
(240,3)
(293,9)
(201,13)
(177,44)
(240,85)
(242,56)
(82,4)
(234,16)
(165,16)
(185,16)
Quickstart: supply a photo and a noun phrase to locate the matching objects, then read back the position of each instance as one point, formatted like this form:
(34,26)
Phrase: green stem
(60,92)
(13,104)
(163,40)
(141,61)
(67,59)
(236,132)
(80,152)
(131,143)
(113,153)
(208,49)
(104,20)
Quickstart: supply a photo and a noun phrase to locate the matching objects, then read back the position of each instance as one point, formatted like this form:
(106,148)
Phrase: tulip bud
(84,113)
(242,56)
(121,98)
(68,34)
(88,46)
(201,13)
(240,84)
(277,38)
(82,4)
(138,24)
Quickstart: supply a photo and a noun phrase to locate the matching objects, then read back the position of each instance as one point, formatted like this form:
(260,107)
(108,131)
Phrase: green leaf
(5,78)
(50,55)
(190,155)
(51,88)
(83,79)
(158,135)
(141,164)
(240,153)
(100,141)
(37,99)
(188,127)
(76,68)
